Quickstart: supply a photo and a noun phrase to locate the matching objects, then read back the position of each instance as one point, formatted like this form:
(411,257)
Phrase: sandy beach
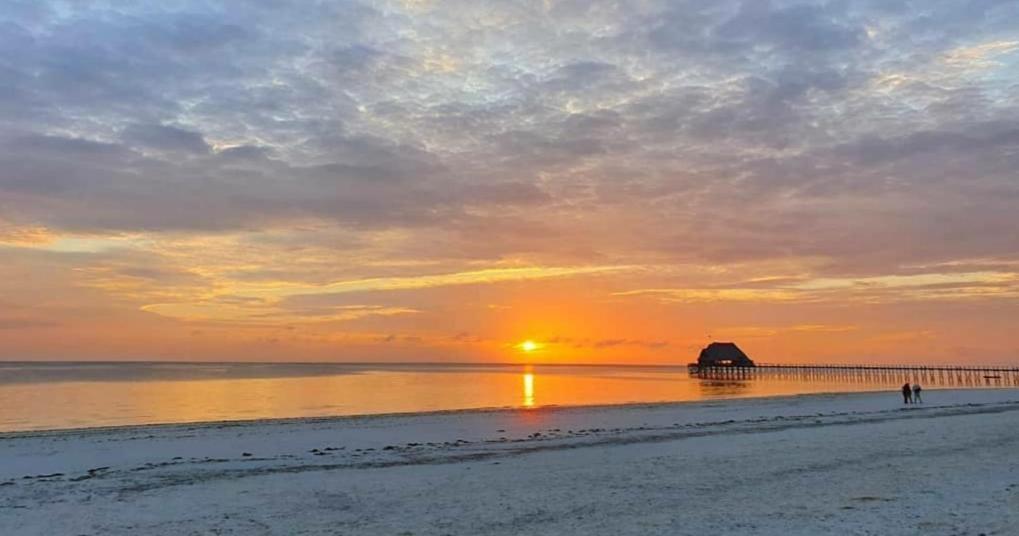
(817,464)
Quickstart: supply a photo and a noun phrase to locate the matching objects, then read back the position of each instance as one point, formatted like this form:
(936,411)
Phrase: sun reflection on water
(528,389)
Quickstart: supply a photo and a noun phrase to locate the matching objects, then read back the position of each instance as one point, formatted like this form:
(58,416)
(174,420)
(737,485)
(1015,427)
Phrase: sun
(528,346)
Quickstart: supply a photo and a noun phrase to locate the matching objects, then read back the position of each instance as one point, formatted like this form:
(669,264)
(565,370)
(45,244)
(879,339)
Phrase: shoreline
(15,434)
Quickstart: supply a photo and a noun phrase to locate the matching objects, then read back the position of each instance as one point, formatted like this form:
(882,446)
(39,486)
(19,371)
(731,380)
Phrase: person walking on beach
(907,394)
(916,394)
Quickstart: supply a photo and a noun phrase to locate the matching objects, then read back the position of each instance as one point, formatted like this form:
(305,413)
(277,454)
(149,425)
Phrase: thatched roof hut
(723,354)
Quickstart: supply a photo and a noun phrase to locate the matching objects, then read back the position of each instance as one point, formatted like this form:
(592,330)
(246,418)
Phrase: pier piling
(967,376)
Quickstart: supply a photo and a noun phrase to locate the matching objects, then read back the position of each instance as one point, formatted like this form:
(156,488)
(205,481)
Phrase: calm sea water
(35,396)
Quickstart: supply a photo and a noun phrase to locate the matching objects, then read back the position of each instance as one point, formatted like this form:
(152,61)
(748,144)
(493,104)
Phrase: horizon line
(484,363)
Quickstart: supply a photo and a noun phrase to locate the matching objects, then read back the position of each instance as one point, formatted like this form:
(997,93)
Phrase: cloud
(187,296)
(215,118)
(165,138)
(254,313)
(476,277)
(949,286)
(605,343)
(823,328)
(609,343)
(803,28)
(16,235)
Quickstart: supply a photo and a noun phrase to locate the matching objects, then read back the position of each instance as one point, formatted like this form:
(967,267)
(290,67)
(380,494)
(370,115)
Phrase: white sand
(830,464)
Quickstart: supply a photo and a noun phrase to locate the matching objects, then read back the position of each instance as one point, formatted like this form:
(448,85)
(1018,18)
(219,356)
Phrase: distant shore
(859,463)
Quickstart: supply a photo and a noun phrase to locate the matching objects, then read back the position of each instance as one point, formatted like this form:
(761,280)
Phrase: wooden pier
(961,376)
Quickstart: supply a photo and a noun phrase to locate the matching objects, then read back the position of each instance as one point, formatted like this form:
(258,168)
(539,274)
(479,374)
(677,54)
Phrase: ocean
(60,395)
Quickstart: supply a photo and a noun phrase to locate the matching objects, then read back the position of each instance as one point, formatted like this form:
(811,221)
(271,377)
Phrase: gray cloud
(165,138)
(715,131)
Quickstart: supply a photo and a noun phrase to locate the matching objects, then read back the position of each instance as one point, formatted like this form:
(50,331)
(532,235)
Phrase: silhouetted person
(907,394)
(916,393)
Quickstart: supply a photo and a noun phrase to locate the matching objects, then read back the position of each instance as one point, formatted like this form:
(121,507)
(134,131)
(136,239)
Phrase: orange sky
(64,305)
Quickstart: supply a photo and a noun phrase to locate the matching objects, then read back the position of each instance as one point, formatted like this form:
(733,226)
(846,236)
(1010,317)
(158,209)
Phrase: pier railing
(962,376)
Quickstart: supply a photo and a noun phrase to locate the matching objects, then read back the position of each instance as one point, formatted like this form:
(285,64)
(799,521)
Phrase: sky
(412,180)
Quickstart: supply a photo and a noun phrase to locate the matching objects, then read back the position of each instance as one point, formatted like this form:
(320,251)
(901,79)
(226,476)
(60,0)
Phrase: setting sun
(528,346)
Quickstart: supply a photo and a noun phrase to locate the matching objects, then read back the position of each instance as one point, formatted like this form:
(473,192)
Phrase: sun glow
(528,346)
